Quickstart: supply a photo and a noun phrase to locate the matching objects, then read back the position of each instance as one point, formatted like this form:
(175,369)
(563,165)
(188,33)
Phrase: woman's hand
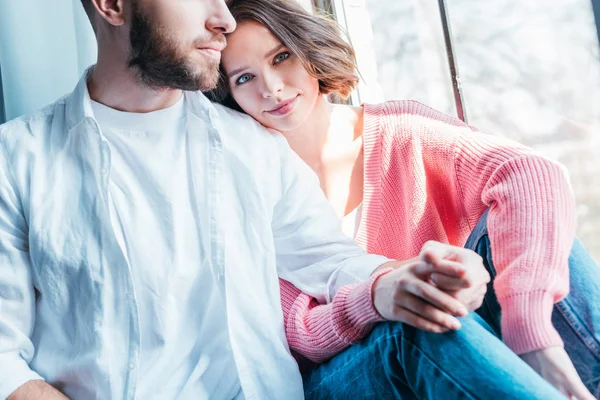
(471,287)
(555,366)
(406,295)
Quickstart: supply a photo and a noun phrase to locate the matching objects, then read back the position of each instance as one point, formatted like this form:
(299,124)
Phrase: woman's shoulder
(409,119)
(410,110)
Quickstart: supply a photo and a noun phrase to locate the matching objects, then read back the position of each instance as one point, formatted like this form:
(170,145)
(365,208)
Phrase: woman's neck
(330,142)
(326,134)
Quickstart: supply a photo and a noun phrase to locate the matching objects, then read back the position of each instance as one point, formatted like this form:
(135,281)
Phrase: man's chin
(207,85)
(199,80)
(208,78)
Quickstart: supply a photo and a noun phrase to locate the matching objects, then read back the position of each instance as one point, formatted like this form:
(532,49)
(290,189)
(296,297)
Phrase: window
(528,70)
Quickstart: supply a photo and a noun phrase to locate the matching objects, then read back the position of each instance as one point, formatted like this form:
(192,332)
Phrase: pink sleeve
(531,222)
(318,332)
(531,227)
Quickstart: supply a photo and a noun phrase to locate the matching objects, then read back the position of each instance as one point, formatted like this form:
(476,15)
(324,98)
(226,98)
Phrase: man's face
(177,43)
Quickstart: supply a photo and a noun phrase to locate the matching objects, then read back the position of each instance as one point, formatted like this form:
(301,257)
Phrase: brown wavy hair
(315,39)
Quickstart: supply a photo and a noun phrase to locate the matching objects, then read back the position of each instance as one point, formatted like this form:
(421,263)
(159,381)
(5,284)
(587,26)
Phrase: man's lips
(212,49)
(283,107)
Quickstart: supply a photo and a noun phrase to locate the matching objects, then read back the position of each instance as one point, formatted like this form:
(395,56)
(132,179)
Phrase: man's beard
(158,62)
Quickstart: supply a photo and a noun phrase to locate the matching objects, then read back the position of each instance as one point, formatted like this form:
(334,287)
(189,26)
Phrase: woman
(400,174)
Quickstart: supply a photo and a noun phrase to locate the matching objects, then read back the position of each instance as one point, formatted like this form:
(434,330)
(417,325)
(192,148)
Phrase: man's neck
(111,83)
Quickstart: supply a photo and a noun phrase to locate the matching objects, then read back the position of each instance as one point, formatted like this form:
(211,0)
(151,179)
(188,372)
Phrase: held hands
(430,291)
(469,288)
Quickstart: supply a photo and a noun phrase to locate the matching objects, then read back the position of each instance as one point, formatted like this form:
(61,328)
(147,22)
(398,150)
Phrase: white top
(351,222)
(185,352)
(71,312)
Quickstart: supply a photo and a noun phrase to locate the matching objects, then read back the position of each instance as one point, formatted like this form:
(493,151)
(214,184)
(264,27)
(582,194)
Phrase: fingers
(436,250)
(408,317)
(449,283)
(430,313)
(577,389)
(441,266)
(430,294)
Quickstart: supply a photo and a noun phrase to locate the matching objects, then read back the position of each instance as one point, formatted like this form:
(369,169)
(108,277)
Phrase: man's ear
(112,11)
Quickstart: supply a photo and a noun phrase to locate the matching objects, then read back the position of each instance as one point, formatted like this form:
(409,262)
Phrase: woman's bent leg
(397,361)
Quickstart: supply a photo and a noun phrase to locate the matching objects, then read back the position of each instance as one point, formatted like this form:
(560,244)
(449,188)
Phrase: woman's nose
(273,86)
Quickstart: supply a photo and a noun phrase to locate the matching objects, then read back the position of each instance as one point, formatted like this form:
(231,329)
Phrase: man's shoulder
(242,125)
(260,148)
(16,132)
(242,128)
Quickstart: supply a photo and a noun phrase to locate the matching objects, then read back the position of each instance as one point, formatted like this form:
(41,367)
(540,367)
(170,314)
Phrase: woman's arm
(531,222)
(318,332)
(400,291)
(531,227)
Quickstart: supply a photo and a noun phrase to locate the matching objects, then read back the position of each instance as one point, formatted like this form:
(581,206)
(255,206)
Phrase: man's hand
(469,288)
(555,366)
(37,390)
(405,295)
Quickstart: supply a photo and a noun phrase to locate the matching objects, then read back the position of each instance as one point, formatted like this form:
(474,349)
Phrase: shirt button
(131,366)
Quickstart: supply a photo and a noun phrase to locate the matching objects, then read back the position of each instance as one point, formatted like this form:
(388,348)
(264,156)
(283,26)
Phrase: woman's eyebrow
(268,55)
(274,50)
(236,71)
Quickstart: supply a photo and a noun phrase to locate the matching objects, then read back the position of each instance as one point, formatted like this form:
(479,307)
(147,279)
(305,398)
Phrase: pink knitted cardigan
(428,176)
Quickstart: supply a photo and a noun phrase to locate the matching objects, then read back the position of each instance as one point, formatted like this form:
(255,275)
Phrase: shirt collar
(79,104)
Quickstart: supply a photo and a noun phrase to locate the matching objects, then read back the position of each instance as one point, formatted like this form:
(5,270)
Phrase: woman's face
(266,80)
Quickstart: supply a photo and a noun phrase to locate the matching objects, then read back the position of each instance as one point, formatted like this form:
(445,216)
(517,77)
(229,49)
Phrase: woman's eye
(281,56)
(243,79)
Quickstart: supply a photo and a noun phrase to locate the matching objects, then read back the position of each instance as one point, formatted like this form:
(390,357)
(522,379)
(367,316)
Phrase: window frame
(596,10)
(337,8)
(2,104)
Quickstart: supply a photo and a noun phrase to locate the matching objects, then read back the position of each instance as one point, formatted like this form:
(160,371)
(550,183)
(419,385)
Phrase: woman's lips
(284,108)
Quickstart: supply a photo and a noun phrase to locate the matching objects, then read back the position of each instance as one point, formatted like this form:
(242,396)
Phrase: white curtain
(45,45)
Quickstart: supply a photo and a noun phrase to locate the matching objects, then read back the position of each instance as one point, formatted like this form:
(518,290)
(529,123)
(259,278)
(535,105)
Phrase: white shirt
(70,312)
(185,350)
(351,222)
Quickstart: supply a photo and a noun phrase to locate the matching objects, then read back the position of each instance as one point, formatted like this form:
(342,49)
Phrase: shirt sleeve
(17,296)
(311,250)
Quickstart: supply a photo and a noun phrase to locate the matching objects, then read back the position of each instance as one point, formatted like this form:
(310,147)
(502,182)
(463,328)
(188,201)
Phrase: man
(141,227)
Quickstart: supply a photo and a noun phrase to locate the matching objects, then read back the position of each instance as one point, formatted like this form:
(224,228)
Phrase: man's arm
(312,252)
(17,296)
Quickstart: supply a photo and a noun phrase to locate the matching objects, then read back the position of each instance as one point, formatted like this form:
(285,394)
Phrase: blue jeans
(397,361)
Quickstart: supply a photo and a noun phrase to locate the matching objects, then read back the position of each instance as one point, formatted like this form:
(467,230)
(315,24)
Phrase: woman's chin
(280,126)
(286,124)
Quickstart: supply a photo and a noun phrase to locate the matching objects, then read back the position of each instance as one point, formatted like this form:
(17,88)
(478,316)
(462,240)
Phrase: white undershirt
(351,222)
(158,219)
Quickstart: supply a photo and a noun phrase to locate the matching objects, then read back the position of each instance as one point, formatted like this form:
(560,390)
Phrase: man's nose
(221,20)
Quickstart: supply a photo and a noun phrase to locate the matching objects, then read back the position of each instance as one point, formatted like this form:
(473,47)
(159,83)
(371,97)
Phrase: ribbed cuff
(14,373)
(360,307)
(527,322)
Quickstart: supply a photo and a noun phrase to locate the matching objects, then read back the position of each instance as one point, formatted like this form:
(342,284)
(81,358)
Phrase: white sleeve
(17,295)
(312,252)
